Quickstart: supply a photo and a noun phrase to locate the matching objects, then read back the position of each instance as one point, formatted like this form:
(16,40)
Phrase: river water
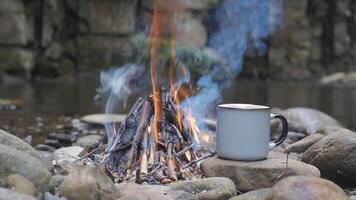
(75,98)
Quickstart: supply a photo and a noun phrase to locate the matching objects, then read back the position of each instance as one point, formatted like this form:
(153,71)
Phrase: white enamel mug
(243,131)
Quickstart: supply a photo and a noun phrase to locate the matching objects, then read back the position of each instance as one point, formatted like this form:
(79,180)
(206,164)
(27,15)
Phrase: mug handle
(284,130)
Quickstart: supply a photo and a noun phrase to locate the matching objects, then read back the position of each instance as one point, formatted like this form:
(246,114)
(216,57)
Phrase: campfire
(155,151)
(159,140)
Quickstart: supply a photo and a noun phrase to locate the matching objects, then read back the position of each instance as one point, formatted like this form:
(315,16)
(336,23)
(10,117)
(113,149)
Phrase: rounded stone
(305,143)
(88,140)
(89,183)
(335,157)
(20,184)
(207,188)
(14,161)
(125,191)
(255,175)
(17,143)
(307,120)
(102,119)
(253,195)
(302,187)
(66,155)
(6,194)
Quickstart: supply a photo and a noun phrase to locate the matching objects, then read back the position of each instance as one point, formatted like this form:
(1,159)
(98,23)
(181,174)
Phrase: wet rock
(102,119)
(307,120)
(43,147)
(14,161)
(294,137)
(62,137)
(94,51)
(66,155)
(333,78)
(255,175)
(334,130)
(181,195)
(88,140)
(304,144)
(6,194)
(89,183)
(335,158)
(301,187)
(47,159)
(150,192)
(15,142)
(20,184)
(110,17)
(49,196)
(55,182)
(13,22)
(201,5)
(18,60)
(207,188)
(253,195)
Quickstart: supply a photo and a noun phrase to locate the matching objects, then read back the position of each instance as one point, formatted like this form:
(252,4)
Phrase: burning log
(170,163)
(136,153)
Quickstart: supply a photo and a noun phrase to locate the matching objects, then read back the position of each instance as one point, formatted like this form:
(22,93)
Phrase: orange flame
(205,138)
(155,34)
(164,14)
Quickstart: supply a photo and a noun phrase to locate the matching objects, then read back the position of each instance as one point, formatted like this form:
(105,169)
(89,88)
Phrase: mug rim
(243,106)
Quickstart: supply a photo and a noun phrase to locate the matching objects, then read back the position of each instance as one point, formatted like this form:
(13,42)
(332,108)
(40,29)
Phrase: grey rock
(307,120)
(47,159)
(88,140)
(304,144)
(207,188)
(20,184)
(201,5)
(89,183)
(108,16)
(255,175)
(301,187)
(334,157)
(17,58)
(253,195)
(15,142)
(66,155)
(6,194)
(135,191)
(14,161)
(334,130)
(44,147)
(181,195)
(55,182)
(13,23)
(103,51)
(294,137)
(49,196)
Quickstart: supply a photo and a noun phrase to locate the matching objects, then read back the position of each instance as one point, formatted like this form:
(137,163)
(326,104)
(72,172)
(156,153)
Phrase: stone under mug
(243,131)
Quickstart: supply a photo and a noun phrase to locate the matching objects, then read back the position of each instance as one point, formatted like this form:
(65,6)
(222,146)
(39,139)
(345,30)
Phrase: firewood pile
(138,153)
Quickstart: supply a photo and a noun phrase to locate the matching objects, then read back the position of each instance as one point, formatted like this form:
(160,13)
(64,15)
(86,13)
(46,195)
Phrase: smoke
(116,88)
(236,25)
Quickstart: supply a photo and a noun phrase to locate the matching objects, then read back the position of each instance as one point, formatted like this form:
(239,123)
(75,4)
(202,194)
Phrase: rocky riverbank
(320,165)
